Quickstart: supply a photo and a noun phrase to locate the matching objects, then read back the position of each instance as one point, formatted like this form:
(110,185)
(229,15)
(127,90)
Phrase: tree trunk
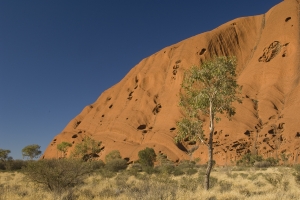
(210,148)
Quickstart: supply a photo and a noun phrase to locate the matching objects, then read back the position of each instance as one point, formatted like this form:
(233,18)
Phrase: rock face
(142,109)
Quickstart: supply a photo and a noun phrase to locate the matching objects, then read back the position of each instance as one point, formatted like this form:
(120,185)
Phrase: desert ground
(240,183)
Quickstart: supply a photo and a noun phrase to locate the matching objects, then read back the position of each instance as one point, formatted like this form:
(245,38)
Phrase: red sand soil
(142,109)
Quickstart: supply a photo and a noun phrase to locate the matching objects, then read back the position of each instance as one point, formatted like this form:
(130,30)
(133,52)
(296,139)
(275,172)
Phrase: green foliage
(87,149)
(116,165)
(167,168)
(134,169)
(31,151)
(147,157)
(12,165)
(113,155)
(208,90)
(285,158)
(249,160)
(178,172)
(5,160)
(97,164)
(57,175)
(4,154)
(63,147)
(272,161)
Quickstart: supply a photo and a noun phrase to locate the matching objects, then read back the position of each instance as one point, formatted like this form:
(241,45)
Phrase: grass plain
(228,183)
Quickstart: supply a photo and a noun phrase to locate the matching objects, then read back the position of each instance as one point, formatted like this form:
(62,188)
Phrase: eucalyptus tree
(31,151)
(208,90)
(63,147)
(4,154)
(87,149)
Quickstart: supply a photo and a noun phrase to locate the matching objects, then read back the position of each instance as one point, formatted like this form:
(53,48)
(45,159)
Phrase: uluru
(142,109)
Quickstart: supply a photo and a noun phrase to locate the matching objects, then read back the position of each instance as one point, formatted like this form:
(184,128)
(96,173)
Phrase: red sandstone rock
(142,109)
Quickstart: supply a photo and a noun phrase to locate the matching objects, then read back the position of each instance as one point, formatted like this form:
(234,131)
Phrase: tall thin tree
(208,90)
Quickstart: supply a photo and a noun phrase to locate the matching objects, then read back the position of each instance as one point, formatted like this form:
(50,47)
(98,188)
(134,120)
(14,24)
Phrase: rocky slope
(142,109)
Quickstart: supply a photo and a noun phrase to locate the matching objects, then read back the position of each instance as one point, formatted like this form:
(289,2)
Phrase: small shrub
(97,164)
(134,169)
(2,165)
(12,165)
(150,170)
(113,155)
(272,161)
(186,164)
(262,164)
(178,172)
(116,165)
(147,157)
(249,159)
(57,175)
(166,169)
(191,171)
(105,173)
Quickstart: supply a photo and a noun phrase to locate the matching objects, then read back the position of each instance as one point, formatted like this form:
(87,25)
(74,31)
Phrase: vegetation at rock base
(115,154)
(63,147)
(147,157)
(57,175)
(114,161)
(87,149)
(226,183)
(73,178)
(208,90)
(4,154)
(31,151)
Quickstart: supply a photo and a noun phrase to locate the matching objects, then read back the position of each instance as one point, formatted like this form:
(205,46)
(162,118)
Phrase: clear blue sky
(57,56)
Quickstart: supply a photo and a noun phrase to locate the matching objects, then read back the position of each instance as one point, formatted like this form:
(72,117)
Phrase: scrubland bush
(12,165)
(116,165)
(178,172)
(272,161)
(115,154)
(167,168)
(57,175)
(249,160)
(262,164)
(147,157)
(88,149)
